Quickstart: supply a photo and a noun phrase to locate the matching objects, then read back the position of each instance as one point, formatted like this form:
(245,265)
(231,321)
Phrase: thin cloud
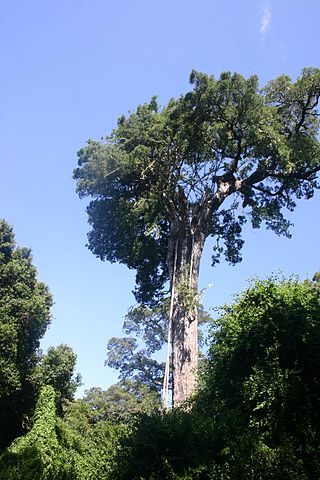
(265,19)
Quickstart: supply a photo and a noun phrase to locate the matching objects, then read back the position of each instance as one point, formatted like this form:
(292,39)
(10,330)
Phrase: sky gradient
(69,69)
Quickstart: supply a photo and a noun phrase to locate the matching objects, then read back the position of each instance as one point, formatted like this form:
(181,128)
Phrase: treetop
(224,153)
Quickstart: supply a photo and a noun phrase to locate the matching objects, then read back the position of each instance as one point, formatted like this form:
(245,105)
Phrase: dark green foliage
(256,415)
(57,449)
(263,383)
(30,457)
(163,445)
(24,316)
(262,386)
(56,368)
(121,402)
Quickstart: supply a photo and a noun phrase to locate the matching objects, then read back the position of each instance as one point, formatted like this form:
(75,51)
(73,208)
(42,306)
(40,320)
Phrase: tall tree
(24,316)
(167,179)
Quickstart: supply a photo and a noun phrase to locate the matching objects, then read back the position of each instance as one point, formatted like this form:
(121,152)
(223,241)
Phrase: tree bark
(188,247)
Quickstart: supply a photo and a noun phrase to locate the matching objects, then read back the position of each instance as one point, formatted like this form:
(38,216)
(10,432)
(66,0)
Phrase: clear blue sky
(69,68)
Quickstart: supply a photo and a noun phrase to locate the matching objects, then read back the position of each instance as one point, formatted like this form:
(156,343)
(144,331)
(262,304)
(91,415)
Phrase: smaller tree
(56,368)
(136,356)
(133,358)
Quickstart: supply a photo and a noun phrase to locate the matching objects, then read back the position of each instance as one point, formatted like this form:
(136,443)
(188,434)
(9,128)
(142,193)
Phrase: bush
(256,415)
(57,449)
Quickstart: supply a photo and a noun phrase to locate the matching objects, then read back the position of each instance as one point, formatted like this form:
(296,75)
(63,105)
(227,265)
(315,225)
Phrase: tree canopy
(56,368)
(225,139)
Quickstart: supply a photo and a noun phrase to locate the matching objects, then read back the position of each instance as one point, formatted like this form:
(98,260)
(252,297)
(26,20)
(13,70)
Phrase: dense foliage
(56,368)
(121,402)
(24,316)
(262,387)
(56,449)
(256,415)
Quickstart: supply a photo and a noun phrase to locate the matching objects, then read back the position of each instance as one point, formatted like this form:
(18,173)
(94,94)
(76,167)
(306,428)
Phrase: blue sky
(69,69)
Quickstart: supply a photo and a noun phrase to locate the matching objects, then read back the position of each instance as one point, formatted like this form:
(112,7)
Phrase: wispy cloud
(265,19)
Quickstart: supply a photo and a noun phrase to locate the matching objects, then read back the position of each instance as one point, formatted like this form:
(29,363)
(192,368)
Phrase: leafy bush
(261,390)
(57,449)
(256,415)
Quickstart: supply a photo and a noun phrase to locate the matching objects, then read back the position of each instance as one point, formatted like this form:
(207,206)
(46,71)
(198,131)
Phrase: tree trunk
(186,250)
